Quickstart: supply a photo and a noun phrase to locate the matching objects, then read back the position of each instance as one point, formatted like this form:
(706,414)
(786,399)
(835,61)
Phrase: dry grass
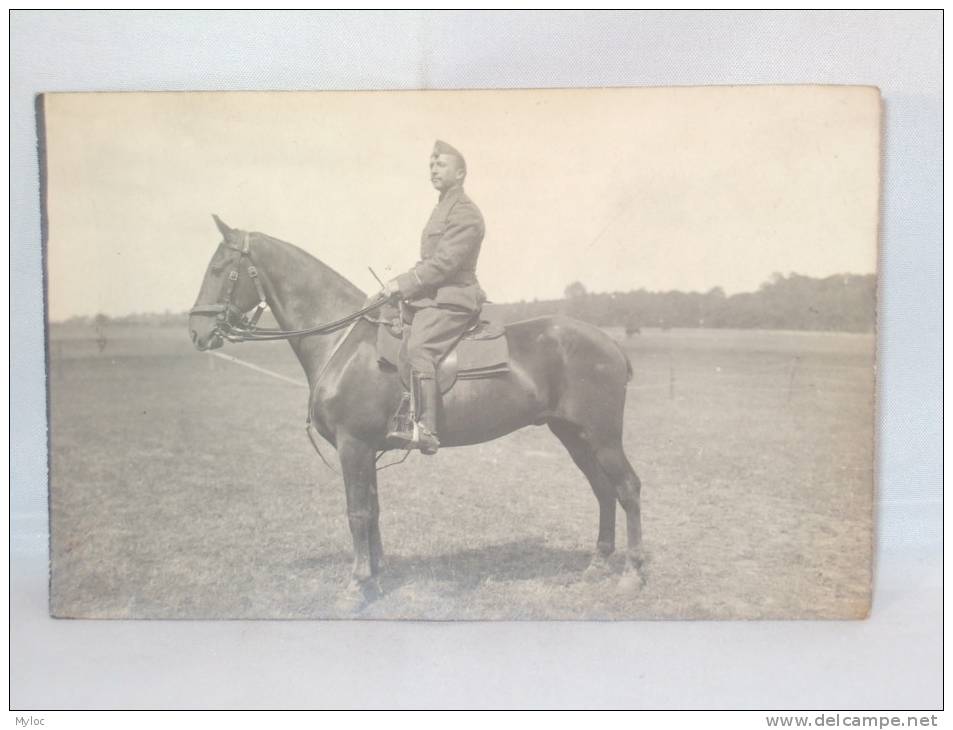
(183,491)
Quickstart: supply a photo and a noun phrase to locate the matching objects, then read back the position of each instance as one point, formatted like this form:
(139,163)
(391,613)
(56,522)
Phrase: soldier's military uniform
(442,295)
(442,289)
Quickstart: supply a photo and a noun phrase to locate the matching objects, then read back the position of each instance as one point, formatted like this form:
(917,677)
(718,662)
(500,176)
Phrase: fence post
(794,364)
(671,376)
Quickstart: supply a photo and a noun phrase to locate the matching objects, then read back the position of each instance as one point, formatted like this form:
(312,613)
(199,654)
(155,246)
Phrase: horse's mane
(314,260)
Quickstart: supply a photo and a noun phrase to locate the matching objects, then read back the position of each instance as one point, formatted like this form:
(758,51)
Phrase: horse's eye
(217,264)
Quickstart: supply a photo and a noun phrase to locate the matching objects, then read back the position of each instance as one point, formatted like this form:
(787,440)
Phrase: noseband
(225,312)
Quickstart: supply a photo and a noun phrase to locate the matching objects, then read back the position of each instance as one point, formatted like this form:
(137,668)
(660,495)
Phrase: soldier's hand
(391,289)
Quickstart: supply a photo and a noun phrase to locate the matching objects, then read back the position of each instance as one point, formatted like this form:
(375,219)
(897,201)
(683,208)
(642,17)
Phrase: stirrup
(402,433)
(399,440)
(401,436)
(420,437)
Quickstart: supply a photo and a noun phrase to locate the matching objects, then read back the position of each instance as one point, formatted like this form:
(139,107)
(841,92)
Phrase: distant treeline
(844,302)
(148,319)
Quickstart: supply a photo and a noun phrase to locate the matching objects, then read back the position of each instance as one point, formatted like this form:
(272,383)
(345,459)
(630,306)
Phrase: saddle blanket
(482,352)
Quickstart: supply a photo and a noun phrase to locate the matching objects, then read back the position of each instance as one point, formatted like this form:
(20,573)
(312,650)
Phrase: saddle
(482,351)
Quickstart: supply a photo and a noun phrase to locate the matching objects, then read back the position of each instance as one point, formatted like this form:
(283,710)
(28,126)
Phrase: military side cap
(442,148)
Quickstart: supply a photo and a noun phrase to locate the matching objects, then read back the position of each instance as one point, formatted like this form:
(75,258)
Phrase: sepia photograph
(465,360)
(584,354)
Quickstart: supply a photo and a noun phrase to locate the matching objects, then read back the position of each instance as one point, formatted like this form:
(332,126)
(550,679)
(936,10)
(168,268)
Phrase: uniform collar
(451,194)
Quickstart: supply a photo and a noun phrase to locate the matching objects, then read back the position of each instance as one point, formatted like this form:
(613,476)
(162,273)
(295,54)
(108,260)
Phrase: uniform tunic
(442,290)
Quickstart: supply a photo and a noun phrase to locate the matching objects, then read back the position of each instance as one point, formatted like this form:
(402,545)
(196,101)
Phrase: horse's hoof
(598,569)
(630,583)
(358,595)
(371,589)
(351,601)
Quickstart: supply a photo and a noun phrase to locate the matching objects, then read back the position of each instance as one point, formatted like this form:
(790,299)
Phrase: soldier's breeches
(433,333)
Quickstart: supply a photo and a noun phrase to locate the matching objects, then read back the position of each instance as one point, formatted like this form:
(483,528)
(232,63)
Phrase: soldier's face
(445,171)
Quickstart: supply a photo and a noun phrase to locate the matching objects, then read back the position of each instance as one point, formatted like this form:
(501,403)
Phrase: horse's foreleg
(376,547)
(357,466)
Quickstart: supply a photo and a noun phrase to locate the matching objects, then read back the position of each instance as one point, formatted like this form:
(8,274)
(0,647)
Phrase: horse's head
(229,289)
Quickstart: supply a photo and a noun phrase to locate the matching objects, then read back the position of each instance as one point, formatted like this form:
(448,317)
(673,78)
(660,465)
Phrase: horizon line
(790,274)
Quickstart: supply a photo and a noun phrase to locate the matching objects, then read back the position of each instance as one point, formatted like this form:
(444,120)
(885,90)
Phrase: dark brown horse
(563,373)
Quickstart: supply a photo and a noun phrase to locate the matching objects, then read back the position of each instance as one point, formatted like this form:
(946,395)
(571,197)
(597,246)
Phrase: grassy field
(184,487)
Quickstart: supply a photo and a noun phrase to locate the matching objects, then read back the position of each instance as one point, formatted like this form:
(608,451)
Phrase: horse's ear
(221,225)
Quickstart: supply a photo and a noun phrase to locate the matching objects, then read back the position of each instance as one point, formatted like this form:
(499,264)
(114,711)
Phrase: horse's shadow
(464,570)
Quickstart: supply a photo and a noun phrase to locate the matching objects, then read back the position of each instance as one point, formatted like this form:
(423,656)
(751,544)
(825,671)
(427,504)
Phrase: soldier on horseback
(441,295)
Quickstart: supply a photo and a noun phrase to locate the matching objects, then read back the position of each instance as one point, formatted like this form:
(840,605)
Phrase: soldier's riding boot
(428,404)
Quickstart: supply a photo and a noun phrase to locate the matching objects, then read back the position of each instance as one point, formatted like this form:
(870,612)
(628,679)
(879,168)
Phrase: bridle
(225,310)
(235,325)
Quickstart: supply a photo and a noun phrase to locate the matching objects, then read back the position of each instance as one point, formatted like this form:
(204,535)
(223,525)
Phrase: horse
(563,373)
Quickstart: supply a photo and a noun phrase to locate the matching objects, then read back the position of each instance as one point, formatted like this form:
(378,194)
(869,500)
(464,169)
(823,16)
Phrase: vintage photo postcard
(529,354)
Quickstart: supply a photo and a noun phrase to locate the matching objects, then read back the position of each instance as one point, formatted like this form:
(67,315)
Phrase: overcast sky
(686,188)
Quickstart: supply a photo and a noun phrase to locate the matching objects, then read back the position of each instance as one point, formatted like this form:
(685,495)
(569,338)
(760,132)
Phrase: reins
(253,333)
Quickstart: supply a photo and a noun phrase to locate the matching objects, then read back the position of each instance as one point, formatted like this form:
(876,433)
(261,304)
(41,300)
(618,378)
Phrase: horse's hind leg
(585,458)
(622,476)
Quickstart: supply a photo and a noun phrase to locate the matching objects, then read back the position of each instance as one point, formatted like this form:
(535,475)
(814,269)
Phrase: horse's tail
(628,362)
